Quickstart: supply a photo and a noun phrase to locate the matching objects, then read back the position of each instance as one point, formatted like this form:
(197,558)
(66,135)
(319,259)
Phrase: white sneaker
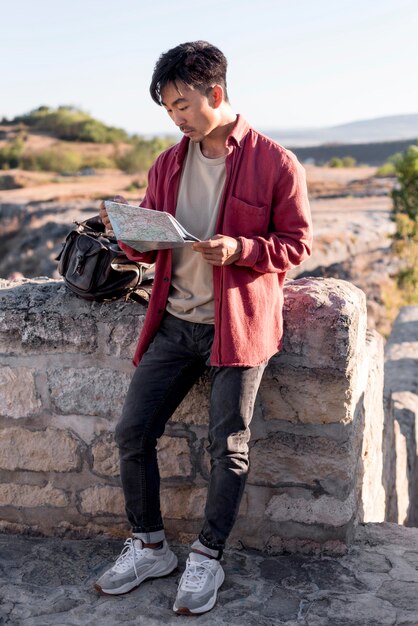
(199,585)
(134,565)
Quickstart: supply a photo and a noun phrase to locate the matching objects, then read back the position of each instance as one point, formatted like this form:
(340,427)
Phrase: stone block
(88,391)
(284,544)
(401,362)
(322,510)
(275,516)
(325,323)
(405,408)
(388,535)
(295,460)
(302,395)
(194,410)
(48,331)
(18,395)
(405,416)
(372,505)
(31,496)
(105,455)
(401,393)
(401,476)
(400,594)
(43,314)
(124,335)
(340,610)
(186,502)
(39,451)
(174,457)
(102,500)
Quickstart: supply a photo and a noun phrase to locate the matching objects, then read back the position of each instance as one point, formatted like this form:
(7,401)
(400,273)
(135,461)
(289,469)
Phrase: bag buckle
(80,261)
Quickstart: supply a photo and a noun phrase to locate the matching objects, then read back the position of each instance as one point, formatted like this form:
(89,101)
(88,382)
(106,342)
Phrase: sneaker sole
(120,591)
(183,610)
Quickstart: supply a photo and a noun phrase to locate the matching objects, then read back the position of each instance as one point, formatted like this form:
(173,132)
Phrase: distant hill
(68,140)
(68,123)
(364,153)
(380,129)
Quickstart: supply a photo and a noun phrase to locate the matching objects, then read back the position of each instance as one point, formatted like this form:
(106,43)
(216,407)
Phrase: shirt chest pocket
(244,219)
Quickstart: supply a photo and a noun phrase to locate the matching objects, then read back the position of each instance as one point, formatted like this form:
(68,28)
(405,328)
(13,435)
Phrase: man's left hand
(219,250)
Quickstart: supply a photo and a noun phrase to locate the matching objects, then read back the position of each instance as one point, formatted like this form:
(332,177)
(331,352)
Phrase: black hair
(198,64)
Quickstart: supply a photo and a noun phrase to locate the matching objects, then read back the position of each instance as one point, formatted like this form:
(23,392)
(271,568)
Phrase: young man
(216,305)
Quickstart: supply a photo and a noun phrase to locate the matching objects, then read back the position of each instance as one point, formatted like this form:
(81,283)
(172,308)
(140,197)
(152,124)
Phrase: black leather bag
(95,268)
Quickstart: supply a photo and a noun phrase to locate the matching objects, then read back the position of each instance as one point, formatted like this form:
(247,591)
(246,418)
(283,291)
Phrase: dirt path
(41,186)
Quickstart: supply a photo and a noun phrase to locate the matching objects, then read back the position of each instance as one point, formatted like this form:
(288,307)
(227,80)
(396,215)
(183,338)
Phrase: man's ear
(217,96)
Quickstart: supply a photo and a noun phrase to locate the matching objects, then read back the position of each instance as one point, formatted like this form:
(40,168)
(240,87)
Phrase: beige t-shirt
(201,186)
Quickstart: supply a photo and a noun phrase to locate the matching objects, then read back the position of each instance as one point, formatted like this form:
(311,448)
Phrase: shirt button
(165,279)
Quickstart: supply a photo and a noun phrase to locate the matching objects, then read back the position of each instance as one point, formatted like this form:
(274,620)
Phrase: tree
(405,215)
(405,194)
(11,153)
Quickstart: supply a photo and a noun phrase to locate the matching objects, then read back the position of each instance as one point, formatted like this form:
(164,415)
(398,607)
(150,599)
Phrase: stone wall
(317,449)
(401,397)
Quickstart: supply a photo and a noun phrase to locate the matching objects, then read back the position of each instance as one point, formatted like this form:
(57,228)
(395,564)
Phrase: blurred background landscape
(334,84)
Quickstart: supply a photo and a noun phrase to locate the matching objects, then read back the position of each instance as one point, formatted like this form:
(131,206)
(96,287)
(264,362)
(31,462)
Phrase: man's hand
(219,250)
(103,213)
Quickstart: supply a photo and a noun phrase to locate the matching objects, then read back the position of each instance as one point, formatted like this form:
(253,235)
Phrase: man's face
(194,114)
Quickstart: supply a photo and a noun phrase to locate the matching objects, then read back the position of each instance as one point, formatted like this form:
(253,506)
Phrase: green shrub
(138,159)
(72,124)
(335,162)
(349,161)
(386,170)
(407,281)
(405,215)
(142,155)
(62,160)
(11,153)
(346,161)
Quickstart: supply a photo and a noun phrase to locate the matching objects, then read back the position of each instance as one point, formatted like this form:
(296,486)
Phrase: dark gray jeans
(175,360)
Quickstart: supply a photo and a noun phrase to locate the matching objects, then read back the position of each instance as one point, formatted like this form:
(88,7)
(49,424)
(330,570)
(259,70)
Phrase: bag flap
(87,246)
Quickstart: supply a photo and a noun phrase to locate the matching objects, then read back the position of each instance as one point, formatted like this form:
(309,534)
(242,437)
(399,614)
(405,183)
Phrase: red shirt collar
(239,130)
(236,135)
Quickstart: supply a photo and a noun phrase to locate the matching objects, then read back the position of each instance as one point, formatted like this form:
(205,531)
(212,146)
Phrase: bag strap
(141,293)
(137,297)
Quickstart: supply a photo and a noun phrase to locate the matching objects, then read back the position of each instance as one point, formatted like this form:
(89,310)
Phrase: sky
(291,64)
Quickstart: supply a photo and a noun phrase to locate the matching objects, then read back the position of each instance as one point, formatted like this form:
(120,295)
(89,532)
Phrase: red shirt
(265,205)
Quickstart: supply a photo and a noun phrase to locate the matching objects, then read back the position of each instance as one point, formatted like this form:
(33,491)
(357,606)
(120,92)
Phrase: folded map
(145,229)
